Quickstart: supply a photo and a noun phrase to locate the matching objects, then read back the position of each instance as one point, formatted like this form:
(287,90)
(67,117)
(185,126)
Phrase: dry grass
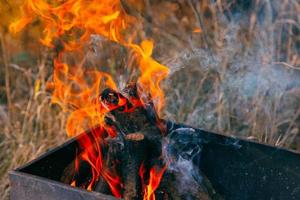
(29,124)
(240,76)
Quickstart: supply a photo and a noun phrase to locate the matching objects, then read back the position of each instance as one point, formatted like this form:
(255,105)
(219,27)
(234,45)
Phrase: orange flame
(65,17)
(152,72)
(154,181)
(73,183)
(197,30)
(71,22)
(78,19)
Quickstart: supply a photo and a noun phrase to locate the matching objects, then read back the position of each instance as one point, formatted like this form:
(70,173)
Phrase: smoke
(247,81)
(181,151)
(251,67)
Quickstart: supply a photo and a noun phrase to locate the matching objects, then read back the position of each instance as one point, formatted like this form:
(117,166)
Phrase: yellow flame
(71,22)
(103,17)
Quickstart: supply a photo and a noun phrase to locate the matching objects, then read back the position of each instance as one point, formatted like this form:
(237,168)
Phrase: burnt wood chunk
(138,143)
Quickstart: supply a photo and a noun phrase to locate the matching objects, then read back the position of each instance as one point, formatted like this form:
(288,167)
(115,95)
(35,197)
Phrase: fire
(155,177)
(152,72)
(154,180)
(73,183)
(105,18)
(75,89)
(197,30)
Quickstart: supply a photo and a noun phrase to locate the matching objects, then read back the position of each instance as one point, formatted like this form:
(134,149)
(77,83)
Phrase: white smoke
(254,75)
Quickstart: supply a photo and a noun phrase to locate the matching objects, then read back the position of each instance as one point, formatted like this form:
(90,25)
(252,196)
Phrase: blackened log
(131,120)
(139,141)
(132,158)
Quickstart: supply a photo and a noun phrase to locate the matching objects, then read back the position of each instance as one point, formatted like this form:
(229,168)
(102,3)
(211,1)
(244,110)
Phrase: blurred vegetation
(235,70)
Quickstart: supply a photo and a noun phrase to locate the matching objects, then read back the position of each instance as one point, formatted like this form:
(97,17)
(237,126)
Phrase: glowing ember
(73,184)
(70,23)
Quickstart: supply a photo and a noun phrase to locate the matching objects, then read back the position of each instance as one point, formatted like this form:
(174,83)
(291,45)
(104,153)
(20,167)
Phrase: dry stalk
(7,78)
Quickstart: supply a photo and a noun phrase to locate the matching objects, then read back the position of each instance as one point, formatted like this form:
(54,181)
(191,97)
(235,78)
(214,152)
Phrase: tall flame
(71,22)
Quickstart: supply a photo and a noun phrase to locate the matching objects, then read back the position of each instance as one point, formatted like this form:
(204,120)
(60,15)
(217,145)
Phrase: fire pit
(237,169)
